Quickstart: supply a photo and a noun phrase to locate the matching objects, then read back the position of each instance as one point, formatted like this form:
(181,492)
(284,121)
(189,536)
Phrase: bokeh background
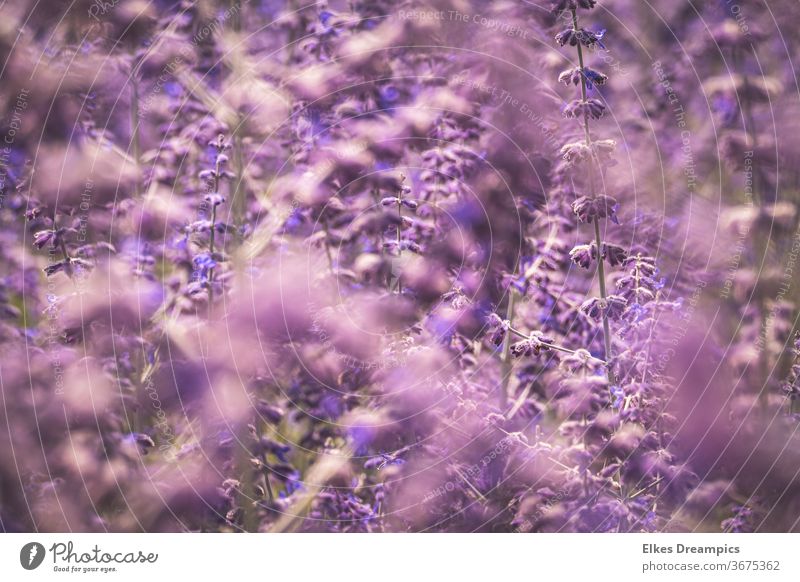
(294,266)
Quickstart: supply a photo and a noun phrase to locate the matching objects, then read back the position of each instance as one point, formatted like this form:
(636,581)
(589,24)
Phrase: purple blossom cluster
(342,267)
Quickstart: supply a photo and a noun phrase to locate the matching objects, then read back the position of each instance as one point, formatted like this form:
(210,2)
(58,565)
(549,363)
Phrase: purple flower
(594,77)
(214,199)
(498,328)
(741,521)
(532,345)
(564,5)
(598,151)
(612,307)
(618,396)
(587,38)
(575,152)
(614,254)
(203,264)
(589,208)
(590,108)
(573,76)
(45,237)
(56,267)
(583,255)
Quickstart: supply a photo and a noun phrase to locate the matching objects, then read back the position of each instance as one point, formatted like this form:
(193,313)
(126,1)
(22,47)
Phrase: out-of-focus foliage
(435,265)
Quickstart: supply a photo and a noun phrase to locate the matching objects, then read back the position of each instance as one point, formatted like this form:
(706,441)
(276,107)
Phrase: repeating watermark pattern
(14,126)
(531,521)
(739,16)
(183,57)
(490,24)
(687,151)
(504,98)
(471,472)
(165,434)
(100,8)
(321,323)
(743,229)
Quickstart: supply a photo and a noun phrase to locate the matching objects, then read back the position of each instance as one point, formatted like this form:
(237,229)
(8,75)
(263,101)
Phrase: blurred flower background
(399,266)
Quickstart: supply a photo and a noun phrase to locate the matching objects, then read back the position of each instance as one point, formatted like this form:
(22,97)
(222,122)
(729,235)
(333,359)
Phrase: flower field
(399,266)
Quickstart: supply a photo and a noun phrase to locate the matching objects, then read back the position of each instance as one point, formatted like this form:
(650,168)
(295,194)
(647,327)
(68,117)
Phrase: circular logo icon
(31,555)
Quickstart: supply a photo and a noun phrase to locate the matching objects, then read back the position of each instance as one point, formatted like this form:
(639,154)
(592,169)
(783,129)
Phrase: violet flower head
(587,38)
(613,307)
(565,5)
(585,108)
(590,208)
(533,345)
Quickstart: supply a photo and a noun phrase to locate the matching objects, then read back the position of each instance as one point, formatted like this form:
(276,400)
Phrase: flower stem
(555,347)
(67,258)
(327,246)
(239,194)
(601,277)
(399,227)
(583,78)
(505,368)
(212,234)
(135,140)
(601,273)
(760,245)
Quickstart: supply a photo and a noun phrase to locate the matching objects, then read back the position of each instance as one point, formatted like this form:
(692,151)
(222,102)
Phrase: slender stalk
(505,368)
(760,245)
(466,480)
(583,78)
(212,234)
(749,120)
(399,227)
(387,278)
(505,357)
(135,140)
(601,273)
(328,248)
(239,194)
(555,347)
(246,493)
(292,40)
(236,16)
(601,276)
(211,241)
(67,258)
(270,492)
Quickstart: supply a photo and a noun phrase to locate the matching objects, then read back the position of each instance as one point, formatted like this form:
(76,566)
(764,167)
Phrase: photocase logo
(31,555)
